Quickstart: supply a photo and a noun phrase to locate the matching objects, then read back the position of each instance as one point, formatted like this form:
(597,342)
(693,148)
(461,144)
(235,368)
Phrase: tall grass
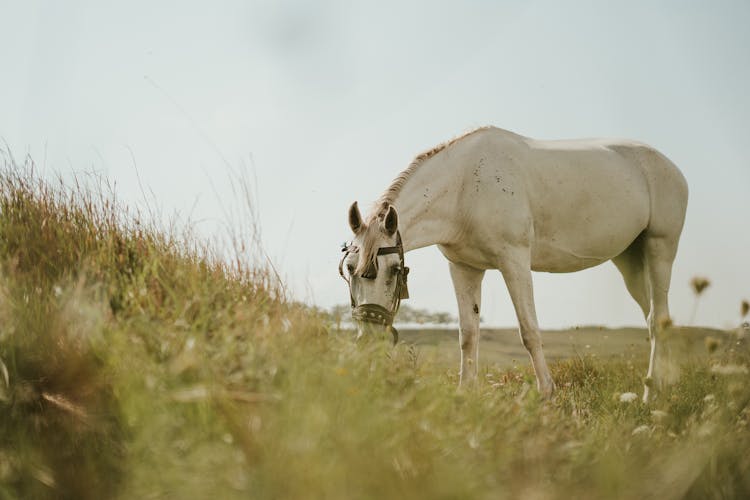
(105,324)
(141,365)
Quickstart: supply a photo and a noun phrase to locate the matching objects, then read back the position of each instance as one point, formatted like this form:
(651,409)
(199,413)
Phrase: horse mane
(368,252)
(389,195)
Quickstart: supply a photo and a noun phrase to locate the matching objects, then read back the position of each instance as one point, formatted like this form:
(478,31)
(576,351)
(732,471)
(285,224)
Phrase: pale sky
(325,102)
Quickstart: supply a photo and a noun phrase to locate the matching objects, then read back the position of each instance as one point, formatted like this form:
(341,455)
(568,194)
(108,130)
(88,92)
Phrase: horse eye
(350,268)
(395,269)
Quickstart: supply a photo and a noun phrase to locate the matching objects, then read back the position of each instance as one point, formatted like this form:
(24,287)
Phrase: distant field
(502,348)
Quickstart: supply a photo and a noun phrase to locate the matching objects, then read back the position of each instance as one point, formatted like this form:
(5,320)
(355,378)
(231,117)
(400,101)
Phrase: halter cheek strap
(401,279)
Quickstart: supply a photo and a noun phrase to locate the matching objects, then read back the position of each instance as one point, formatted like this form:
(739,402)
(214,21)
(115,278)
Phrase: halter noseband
(375,313)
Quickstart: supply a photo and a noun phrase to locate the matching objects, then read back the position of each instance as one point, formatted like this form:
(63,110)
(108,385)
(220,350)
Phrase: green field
(137,364)
(502,348)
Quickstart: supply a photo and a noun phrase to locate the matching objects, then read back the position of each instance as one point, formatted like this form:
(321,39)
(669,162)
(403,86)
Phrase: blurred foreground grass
(135,363)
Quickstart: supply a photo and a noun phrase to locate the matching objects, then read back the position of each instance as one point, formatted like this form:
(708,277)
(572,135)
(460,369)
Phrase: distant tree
(409,314)
(339,313)
(406,314)
(443,318)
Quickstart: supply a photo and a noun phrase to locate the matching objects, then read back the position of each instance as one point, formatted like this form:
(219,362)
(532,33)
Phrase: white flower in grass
(628,397)
(286,325)
(706,429)
(641,429)
(729,369)
(473,441)
(659,415)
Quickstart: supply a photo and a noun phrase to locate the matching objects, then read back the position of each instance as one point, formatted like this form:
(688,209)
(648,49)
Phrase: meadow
(137,362)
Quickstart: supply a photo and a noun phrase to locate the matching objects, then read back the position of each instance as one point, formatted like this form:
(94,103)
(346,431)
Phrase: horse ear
(355,218)
(390,223)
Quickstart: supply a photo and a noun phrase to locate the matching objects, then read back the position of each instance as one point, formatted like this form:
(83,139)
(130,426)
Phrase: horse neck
(427,204)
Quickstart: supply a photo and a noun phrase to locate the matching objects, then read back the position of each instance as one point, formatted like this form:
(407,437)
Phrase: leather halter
(375,313)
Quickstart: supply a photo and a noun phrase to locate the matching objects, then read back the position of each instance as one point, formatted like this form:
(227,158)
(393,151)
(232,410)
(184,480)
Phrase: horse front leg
(516,269)
(467,283)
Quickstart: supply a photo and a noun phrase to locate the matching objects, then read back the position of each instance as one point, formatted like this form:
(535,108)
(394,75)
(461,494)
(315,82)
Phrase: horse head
(373,267)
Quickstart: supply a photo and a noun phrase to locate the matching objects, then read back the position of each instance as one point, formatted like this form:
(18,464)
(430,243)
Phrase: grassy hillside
(136,364)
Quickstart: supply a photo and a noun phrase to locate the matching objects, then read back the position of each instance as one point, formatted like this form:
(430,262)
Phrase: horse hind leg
(632,265)
(660,252)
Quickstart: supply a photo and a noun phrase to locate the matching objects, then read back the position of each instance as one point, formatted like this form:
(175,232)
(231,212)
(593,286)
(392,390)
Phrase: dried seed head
(699,284)
(744,308)
(712,344)
(665,322)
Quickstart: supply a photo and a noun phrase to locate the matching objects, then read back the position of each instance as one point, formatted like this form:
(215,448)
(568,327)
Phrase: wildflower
(706,429)
(712,344)
(191,394)
(699,284)
(659,415)
(473,441)
(744,308)
(665,322)
(628,397)
(641,429)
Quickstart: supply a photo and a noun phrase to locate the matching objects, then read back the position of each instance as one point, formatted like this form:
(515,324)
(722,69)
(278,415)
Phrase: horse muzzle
(377,315)
(372,313)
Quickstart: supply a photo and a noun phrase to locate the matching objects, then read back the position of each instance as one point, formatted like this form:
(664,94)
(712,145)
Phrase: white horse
(492,199)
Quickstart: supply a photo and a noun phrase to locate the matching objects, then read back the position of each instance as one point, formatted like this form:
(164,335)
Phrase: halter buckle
(404,292)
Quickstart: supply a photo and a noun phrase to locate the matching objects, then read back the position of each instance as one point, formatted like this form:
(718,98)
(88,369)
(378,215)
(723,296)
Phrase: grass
(141,365)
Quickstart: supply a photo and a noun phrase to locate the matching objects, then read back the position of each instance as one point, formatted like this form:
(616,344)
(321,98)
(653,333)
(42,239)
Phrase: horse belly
(587,213)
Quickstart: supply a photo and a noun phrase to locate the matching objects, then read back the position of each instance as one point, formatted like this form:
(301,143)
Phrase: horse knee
(468,339)
(531,340)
